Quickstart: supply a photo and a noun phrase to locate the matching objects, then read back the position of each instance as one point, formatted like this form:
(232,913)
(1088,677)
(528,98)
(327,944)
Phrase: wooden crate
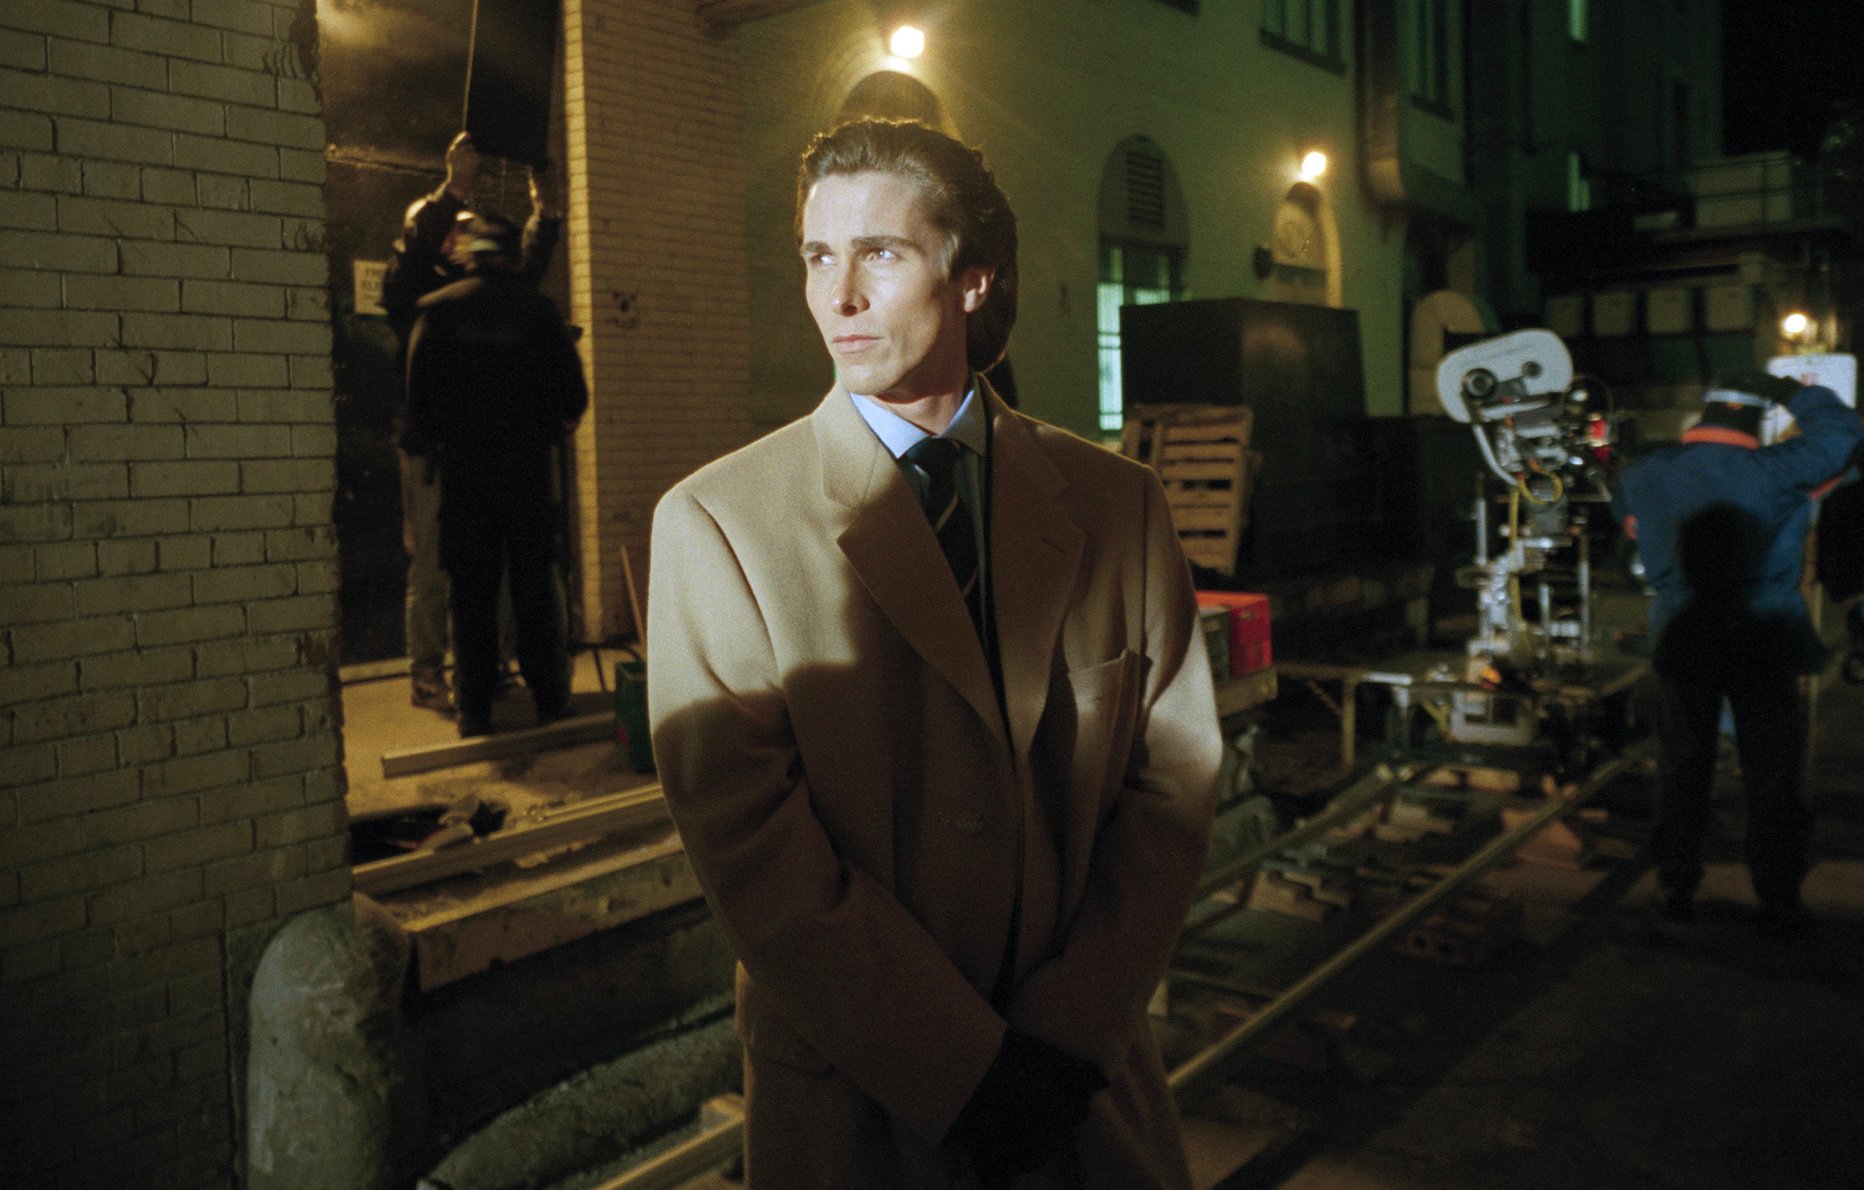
(1202,455)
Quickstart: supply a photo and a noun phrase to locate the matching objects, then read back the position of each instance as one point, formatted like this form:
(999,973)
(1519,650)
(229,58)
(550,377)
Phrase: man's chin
(867,381)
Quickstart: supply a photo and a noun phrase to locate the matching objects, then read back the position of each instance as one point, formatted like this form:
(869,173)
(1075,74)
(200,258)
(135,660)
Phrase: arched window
(1143,236)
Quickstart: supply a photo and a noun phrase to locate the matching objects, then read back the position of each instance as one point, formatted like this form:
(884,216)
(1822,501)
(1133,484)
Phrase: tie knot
(934,456)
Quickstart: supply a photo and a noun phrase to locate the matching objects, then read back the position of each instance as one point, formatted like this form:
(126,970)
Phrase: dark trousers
(1770,738)
(498,522)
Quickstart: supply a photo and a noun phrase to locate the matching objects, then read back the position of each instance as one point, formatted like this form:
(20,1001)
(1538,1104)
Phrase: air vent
(1145,189)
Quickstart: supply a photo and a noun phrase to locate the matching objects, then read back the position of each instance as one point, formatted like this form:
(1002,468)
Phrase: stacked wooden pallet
(1202,454)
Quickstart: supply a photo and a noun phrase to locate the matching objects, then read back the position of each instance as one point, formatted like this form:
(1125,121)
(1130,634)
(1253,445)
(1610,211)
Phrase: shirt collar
(898,435)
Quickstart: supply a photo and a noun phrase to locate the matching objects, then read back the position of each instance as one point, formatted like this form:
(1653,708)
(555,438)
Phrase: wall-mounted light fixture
(1313,165)
(1796,325)
(907,41)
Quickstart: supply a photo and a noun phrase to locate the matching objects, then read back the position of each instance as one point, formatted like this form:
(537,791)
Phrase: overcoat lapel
(893,550)
(1035,550)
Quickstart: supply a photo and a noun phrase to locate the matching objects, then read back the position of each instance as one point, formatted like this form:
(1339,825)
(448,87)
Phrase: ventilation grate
(1145,189)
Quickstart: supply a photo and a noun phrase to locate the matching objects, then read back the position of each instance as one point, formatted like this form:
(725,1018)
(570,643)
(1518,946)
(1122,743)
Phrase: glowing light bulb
(1794,325)
(1313,164)
(907,42)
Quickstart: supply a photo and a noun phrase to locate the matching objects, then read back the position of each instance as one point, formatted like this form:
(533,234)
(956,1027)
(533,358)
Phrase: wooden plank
(1250,690)
(1187,499)
(1205,519)
(586,820)
(1202,455)
(1208,433)
(505,920)
(1199,469)
(578,730)
(1206,449)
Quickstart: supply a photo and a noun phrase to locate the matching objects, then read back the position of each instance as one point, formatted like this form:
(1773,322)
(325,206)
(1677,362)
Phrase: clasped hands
(1030,1099)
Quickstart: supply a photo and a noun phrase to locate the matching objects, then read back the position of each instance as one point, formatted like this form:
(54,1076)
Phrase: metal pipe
(683,1162)
(1207,1065)
(1371,787)
(1585,596)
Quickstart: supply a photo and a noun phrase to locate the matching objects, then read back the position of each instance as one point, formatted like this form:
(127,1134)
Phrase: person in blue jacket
(1720,522)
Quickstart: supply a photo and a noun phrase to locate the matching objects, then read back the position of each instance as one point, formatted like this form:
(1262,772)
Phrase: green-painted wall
(1048,90)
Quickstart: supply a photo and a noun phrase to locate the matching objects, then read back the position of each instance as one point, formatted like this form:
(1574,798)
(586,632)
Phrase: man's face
(876,282)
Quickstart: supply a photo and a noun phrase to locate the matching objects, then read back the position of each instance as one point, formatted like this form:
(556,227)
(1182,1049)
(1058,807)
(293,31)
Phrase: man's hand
(462,167)
(1779,389)
(1030,1099)
(546,203)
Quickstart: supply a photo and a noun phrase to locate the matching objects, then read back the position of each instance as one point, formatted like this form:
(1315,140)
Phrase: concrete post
(334,1092)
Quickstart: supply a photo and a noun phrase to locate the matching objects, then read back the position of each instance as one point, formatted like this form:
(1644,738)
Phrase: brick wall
(169,785)
(653,113)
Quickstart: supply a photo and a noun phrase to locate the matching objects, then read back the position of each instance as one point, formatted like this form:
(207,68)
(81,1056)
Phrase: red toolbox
(1250,645)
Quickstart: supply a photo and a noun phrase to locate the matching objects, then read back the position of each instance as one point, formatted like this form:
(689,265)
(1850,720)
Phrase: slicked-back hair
(961,198)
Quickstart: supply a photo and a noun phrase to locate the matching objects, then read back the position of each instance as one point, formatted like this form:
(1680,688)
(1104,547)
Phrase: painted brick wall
(169,784)
(653,115)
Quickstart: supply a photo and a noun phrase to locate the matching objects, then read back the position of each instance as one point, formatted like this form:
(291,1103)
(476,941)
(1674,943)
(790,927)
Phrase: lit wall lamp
(1313,165)
(907,41)
(1799,330)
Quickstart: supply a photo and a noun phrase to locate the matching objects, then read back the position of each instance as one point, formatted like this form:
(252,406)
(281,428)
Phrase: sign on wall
(367,275)
(1837,371)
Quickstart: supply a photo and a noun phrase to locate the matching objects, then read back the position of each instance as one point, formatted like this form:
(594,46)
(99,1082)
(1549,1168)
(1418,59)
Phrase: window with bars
(1578,183)
(1130,275)
(1430,55)
(1308,29)
(1143,236)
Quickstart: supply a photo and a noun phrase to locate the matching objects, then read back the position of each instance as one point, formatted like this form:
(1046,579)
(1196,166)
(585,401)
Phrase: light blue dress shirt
(969,429)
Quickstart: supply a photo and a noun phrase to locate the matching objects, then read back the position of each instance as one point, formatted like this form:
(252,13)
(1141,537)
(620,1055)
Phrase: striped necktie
(936,461)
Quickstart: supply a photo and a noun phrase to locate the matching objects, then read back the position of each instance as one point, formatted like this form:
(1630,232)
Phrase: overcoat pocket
(766,1034)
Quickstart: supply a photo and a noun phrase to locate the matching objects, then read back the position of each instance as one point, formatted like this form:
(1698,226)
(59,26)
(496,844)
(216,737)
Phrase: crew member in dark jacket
(423,262)
(493,386)
(1721,522)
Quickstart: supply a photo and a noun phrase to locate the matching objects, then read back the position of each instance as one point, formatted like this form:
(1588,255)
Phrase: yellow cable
(1559,489)
(1439,713)
(1514,547)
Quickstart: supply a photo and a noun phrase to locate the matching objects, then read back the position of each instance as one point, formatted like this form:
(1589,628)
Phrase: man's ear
(975,287)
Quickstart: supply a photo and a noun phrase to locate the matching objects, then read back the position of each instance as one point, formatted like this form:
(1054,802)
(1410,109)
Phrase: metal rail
(580,729)
(1206,1066)
(592,819)
(1368,790)
(720,1144)
(685,1161)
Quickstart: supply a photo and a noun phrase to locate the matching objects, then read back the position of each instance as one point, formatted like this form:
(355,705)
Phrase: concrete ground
(378,719)
(1605,1047)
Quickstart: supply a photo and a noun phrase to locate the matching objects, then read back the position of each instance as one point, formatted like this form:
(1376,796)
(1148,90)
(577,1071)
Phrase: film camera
(1545,435)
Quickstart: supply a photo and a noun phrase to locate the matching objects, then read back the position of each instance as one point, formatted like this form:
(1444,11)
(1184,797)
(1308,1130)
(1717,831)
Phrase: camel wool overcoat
(872,826)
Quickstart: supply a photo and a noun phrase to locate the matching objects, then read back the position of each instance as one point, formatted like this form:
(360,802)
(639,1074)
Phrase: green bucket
(631,734)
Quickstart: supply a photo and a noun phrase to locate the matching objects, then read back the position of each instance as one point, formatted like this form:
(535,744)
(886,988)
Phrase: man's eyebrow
(861,243)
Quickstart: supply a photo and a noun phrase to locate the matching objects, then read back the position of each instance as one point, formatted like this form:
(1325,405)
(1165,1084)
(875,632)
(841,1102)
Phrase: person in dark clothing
(494,385)
(1721,524)
(422,262)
